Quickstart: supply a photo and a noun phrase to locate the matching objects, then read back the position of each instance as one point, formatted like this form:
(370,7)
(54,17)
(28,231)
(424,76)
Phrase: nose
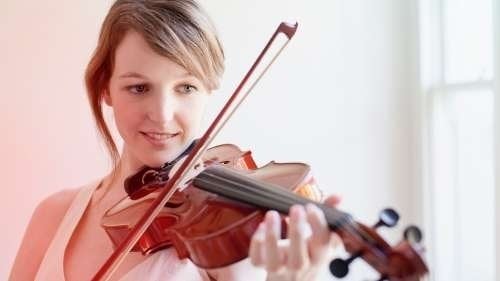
(162,108)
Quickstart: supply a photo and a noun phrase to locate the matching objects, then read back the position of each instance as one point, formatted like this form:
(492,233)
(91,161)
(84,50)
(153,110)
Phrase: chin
(156,157)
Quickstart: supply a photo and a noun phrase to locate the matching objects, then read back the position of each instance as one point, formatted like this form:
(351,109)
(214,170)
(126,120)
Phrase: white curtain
(458,74)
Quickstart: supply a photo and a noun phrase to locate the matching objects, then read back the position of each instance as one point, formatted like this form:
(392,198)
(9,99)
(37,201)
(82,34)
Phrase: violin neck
(237,186)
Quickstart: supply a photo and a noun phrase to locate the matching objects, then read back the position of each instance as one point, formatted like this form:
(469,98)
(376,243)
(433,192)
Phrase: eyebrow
(132,75)
(138,75)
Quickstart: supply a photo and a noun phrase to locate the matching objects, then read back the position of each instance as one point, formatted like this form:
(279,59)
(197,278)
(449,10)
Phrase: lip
(158,139)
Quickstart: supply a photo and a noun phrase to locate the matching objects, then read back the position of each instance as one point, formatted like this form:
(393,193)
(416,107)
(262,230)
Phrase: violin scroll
(402,262)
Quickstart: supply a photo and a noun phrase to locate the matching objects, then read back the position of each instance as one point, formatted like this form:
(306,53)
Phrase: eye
(138,89)
(188,89)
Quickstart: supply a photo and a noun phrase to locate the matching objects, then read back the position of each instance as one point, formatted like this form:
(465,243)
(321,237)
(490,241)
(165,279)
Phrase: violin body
(211,219)
(198,223)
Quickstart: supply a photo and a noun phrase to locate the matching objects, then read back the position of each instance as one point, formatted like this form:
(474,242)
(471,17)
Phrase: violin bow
(109,267)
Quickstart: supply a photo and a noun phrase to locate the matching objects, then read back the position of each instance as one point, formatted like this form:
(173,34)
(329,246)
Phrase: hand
(309,241)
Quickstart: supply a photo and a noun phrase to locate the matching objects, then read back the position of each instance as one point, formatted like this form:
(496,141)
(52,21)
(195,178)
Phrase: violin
(199,220)
(208,203)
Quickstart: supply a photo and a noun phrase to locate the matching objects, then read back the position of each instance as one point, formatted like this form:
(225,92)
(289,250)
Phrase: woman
(155,65)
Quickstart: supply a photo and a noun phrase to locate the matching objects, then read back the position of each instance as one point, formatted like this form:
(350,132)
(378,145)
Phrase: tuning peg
(339,267)
(413,234)
(387,217)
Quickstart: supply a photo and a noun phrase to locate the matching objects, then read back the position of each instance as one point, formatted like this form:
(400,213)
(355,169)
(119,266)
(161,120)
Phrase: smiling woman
(157,104)
(191,45)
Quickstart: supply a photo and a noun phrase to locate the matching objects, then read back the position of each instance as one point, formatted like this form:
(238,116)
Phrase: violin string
(240,192)
(273,194)
(236,186)
(277,193)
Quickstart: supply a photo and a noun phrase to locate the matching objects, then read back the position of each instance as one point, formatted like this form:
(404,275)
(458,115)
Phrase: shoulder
(49,214)
(40,232)
(55,206)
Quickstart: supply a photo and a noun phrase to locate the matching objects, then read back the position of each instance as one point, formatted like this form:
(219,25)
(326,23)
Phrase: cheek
(126,119)
(191,118)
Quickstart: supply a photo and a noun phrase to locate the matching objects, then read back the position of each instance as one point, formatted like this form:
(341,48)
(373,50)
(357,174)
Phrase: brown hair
(177,29)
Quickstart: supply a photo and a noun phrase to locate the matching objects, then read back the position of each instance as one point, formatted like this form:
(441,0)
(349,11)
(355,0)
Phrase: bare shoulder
(39,233)
(57,202)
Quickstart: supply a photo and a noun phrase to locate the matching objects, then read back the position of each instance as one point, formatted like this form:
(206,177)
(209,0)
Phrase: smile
(158,138)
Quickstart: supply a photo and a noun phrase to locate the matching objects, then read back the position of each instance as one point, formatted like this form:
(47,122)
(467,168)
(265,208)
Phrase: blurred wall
(342,97)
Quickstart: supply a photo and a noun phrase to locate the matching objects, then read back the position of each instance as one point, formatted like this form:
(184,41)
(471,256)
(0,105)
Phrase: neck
(128,164)
(112,188)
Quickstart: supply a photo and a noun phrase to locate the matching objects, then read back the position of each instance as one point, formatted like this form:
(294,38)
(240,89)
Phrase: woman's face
(157,104)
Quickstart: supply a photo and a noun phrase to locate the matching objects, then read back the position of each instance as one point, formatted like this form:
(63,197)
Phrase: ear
(107,97)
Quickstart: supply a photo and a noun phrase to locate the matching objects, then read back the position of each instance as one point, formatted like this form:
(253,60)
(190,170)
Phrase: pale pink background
(342,97)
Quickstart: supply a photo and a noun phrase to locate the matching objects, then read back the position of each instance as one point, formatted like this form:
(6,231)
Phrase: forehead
(133,54)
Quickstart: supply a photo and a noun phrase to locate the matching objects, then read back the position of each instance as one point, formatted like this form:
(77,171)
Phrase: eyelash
(132,89)
(191,87)
(185,88)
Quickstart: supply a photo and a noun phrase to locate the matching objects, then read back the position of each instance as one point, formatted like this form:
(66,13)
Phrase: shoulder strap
(52,265)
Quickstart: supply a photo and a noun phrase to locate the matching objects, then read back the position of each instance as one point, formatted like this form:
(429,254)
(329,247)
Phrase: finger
(335,240)
(319,242)
(273,256)
(332,200)
(256,244)
(298,256)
